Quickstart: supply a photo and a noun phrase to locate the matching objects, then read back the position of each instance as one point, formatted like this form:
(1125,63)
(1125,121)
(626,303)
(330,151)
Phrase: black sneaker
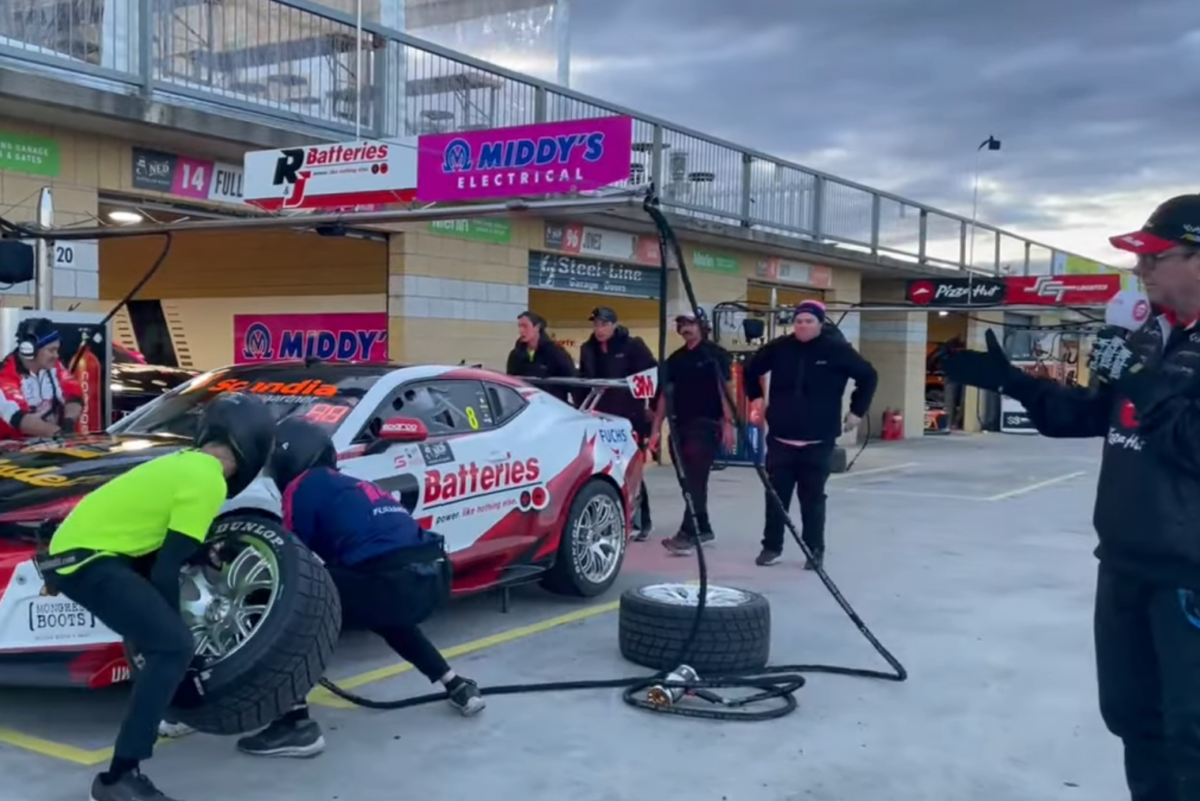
(641,534)
(817,560)
(707,538)
(466,698)
(768,557)
(285,738)
(133,786)
(680,545)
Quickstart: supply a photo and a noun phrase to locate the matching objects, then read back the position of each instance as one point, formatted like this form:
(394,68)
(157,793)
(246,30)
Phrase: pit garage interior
(185,314)
(970,558)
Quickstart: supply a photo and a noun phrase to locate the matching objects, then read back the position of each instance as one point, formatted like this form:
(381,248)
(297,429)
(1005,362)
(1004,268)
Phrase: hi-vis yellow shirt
(130,515)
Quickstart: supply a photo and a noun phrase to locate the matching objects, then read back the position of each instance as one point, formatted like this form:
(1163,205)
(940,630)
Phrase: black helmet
(246,426)
(299,445)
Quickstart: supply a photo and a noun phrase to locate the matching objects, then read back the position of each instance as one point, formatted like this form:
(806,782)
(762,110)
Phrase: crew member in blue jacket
(391,574)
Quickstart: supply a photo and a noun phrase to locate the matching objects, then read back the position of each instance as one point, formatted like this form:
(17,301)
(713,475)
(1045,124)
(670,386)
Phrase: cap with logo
(1175,222)
(603,314)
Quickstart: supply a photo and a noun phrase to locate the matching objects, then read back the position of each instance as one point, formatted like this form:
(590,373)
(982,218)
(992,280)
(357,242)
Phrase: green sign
(497,232)
(29,154)
(715,262)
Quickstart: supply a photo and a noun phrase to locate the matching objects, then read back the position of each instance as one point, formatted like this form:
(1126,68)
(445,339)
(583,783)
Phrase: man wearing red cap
(1147,512)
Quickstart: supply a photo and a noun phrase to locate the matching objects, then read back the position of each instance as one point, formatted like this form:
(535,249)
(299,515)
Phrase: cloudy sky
(1096,102)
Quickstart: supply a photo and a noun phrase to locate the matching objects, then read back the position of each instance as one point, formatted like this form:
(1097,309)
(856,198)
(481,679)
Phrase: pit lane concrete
(969,557)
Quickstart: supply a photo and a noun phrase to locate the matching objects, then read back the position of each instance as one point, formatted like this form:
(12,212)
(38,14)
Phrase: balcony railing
(299,62)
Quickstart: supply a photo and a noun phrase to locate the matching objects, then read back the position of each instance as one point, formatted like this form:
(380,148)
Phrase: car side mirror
(396,430)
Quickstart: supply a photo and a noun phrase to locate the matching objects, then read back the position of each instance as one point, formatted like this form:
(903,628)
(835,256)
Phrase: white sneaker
(174,730)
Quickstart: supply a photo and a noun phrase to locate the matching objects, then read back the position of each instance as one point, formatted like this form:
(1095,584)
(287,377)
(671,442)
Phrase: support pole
(44,253)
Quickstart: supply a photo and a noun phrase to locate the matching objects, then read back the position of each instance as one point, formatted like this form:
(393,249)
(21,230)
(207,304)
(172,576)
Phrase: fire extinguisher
(893,425)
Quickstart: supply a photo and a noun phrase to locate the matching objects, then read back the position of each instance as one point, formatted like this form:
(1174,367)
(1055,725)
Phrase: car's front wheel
(265,616)
(593,543)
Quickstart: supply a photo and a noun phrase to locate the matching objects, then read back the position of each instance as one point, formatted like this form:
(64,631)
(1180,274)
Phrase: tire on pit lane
(734,634)
(289,647)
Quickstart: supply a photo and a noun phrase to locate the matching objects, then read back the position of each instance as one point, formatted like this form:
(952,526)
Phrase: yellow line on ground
(872,471)
(1003,496)
(323,697)
(49,748)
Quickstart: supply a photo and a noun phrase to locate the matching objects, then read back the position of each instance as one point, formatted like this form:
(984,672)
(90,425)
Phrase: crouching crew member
(612,352)
(120,552)
(809,370)
(697,376)
(536,355)
(390,573)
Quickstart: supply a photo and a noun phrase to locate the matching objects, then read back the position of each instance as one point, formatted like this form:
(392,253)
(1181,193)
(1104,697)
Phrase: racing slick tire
(573,572)
(734,635)
(291,643)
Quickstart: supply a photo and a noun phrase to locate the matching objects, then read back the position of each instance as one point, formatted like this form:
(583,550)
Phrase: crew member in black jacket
(612,352)
(1147,513)
(809,370)
(536,355)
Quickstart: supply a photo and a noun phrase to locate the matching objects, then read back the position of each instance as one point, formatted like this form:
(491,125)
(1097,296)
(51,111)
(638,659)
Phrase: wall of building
(894,342)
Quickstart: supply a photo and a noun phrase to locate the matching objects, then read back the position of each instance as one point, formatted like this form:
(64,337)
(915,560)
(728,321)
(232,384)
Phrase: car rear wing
(643,386)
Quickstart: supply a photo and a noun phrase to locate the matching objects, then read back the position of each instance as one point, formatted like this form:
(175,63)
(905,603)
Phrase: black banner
(592,276)
(956,292)
(153,169)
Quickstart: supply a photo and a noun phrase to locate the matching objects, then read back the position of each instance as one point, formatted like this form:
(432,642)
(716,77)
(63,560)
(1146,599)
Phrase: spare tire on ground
(734,635)
(268,620)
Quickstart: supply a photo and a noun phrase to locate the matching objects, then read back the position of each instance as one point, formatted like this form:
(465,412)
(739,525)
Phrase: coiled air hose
(779,683)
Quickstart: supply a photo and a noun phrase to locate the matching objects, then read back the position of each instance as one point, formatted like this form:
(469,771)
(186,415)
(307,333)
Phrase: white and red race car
(518,482)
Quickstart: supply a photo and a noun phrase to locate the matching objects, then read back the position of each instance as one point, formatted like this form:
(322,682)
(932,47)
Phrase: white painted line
(1037,486)
(905,494)
(874,470)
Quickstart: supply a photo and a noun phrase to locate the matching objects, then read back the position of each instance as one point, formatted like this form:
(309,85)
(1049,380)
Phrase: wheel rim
(598,539)
(689,595)
(223,608)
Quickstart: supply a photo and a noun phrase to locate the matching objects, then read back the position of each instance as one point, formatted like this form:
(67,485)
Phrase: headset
(29,341)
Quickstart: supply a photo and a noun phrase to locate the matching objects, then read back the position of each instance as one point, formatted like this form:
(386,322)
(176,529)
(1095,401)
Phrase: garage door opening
(240,296)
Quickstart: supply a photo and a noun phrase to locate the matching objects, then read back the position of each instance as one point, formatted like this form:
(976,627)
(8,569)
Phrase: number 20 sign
(643,385)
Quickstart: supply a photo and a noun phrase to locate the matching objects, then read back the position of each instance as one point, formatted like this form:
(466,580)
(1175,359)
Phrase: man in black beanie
(809,369)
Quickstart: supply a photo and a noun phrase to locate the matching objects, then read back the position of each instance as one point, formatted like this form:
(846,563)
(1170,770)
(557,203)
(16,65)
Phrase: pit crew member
(809,370)
(1147,406)
(390,573)
(119,555)
(536,355)
(694,376)
(38,396)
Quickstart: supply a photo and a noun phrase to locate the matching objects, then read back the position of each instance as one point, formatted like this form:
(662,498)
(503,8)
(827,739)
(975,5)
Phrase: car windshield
(323,396)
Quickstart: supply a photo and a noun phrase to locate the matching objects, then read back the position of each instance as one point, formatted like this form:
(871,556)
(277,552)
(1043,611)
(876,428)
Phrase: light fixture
(123,217)
(943,313)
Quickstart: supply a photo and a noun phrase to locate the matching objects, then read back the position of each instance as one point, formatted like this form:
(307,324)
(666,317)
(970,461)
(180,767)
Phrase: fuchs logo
(257,344)
(472,479)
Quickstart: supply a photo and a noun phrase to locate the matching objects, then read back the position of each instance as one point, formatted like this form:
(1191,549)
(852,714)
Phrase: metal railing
(298,61)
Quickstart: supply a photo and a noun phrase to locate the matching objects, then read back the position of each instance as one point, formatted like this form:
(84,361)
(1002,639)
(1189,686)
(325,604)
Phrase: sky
(1096,102)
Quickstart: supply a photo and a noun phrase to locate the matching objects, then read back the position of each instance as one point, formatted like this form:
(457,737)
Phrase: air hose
(778,684)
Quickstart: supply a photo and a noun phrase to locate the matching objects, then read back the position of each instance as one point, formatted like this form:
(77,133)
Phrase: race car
(519,483)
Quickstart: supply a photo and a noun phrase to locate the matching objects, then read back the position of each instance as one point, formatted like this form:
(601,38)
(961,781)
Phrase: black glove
(191,691)
(1112,360)
(989,369)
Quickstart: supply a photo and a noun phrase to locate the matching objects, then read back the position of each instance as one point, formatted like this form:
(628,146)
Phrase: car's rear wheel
(266,618)
(592,549)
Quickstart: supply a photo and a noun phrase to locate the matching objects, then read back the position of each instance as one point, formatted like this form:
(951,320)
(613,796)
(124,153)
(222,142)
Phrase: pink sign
(191,178)
(555,158)
(346,337)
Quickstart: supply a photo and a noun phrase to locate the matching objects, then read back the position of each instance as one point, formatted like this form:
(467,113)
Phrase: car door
(457,482)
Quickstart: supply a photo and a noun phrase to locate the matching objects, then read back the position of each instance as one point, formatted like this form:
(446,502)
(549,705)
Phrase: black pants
(699,441)
(1148,671)
(391,599)
(126,602)
(641,430)
(803,471)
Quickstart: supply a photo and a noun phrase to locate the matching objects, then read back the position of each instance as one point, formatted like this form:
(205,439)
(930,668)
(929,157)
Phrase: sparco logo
(932,292)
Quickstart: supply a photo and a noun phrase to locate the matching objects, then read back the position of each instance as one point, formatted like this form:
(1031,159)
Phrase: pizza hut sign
(956,292)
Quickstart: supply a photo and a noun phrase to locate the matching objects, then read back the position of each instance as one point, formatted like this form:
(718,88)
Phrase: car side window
(446,407)
(506,402)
